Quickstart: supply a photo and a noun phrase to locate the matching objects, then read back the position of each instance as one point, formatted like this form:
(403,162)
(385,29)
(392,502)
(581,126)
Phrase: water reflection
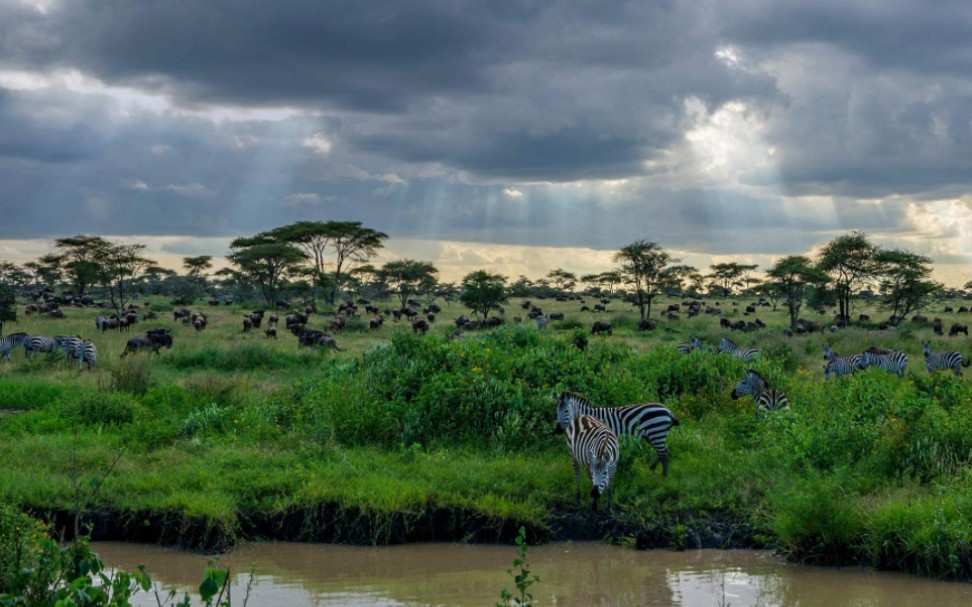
(571,574)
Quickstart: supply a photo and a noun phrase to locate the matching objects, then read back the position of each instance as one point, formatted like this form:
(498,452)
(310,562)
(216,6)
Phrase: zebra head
(751,384)
(600,478)
(828,353)
(565,411)
(926,348)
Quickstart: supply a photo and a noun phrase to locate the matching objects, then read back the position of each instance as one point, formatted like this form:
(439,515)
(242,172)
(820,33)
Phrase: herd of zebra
(75,348)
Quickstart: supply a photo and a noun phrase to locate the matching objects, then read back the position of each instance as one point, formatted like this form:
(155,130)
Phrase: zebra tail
(675,421)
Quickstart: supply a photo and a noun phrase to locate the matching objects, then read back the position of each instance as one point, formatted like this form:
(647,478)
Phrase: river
(581,574)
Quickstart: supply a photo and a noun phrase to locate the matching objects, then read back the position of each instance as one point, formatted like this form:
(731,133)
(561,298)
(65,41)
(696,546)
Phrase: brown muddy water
(571,574)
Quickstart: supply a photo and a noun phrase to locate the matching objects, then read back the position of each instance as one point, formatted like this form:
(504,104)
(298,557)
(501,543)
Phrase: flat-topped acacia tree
(483,292)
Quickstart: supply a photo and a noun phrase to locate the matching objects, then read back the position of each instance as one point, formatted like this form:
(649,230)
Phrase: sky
(513,136)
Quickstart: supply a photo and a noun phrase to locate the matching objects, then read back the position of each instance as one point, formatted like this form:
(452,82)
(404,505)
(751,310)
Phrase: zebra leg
(577,481)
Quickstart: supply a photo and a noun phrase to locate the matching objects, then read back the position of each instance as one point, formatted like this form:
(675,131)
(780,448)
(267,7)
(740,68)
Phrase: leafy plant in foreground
(522,579)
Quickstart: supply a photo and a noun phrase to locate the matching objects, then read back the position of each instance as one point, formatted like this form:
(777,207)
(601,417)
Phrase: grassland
(231,435)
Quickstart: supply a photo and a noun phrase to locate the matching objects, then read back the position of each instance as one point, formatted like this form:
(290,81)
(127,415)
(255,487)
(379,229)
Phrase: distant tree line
(325,260)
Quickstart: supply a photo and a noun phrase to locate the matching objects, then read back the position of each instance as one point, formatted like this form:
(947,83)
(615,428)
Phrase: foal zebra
(650,421)
(943,360)
(727,346)
(891,361)
(593,445)
(840,365)
(9,342)
(767,399)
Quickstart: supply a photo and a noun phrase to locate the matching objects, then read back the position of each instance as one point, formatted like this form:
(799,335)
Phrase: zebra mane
(730,342)
(576,398)
(879,351)
(758,374)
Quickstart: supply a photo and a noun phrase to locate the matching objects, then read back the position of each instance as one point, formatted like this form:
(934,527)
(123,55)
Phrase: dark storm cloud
(423,112)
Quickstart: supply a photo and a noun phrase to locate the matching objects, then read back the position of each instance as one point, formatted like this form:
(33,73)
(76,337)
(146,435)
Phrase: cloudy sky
(515,136)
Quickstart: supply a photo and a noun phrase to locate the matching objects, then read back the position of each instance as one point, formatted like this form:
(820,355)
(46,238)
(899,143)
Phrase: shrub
(101,408)
(132,374)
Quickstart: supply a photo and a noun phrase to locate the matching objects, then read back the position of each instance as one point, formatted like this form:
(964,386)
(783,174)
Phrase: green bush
(101,409)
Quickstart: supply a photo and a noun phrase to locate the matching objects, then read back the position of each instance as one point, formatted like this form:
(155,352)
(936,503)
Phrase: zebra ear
(555,395)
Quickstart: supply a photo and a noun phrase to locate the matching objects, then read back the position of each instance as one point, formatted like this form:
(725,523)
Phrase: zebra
(86,353)
(9,342)
(694,344)
(767,399)
(727,346)
(650,421)
(542,322)
(593,445)
(943,360)
(840,365)
(891,361)
(42,343)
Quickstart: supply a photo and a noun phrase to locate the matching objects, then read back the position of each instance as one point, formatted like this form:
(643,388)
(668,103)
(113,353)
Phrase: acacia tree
(792,276)
(350,242)
(642,263)
(904,285)
(78,255)
(408,276)
(851,263)
(673,278)
(481,292)
(562,280)
(117,267)
(728,276)
(265,261)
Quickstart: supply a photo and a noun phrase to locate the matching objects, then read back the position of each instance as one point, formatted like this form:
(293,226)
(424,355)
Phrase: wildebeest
(601,327)
(937,326)
(957,328)
(313,337)
(180,313)
(647,325)
(420,326)
(271,332)
(153,339)
(376,322)
(948,310)
(247,324)
(556,316)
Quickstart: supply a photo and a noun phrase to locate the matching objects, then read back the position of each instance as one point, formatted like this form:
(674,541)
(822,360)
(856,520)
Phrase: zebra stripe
(767,399)
(943,360)
(650,421)
(840,365)
(84,351)
(41,343)
(727,346)
(541,322)
(891,361)
(9,342)
(594,446)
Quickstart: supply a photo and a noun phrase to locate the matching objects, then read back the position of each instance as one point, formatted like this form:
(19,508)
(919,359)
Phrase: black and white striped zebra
(541,322)
(840,365)
(767,399)
(594,446)
(83,351)
(9,342)
(694,344)
(650,421)
(727,346)
(943,360)
(891,361)
(42,343)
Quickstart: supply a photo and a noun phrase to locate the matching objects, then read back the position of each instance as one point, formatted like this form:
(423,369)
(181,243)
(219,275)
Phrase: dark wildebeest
(376,322)
(556,316)
(601,327)
(420,326)
(647,325)
(153,339)
(957,328)
(271,332)
(180,313)
(937,326)
(247,324)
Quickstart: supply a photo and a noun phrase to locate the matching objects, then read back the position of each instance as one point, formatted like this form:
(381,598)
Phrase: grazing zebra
(42,343)
(891,361)
(650,421)
(767,399)
(84,351)
(9,342)
(541,322)
(593,445)
(727,346)
(840,365)
(943,360)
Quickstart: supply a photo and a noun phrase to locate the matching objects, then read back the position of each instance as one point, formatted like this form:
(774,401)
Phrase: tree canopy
(483,292)
(408,276)
(642,263)
(266,261)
